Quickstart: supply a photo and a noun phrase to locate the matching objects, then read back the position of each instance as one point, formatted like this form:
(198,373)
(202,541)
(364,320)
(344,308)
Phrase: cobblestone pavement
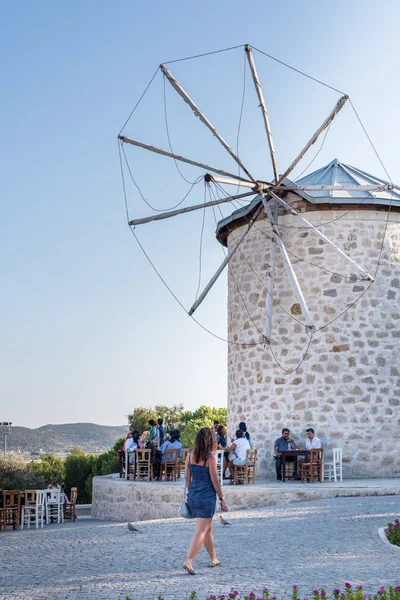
(311,544)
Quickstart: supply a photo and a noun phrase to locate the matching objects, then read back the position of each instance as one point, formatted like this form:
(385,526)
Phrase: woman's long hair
(205,442)
(242,426)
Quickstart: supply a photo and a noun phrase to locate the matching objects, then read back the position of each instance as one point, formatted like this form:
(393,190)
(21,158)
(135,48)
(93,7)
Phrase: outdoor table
(295,454)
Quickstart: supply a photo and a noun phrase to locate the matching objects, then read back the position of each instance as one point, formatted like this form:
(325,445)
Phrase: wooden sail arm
(288,265)
(187,209)
(189,161)
(263,107)
(228,257)
(197,112)
(323,237)
(337,108)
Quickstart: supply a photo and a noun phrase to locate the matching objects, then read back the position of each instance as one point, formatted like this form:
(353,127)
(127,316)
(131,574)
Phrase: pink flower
(336,591)
(347,585)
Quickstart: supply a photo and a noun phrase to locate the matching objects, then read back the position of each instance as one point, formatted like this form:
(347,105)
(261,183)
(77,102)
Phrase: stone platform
(116,499)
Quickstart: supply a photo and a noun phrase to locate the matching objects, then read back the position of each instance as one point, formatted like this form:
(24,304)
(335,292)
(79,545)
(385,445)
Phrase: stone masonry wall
(348,386)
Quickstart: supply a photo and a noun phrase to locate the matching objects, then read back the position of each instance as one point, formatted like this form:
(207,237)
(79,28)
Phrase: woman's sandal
(214,563)
(188,567)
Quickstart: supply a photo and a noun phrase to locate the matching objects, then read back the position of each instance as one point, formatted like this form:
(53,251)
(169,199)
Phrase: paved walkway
(311,544)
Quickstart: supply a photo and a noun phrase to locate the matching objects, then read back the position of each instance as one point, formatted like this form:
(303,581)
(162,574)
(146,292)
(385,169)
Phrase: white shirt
(242,444)
(315,443)
(128,444)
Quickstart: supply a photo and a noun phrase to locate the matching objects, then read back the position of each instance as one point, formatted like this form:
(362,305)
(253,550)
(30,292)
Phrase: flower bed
(391,593)
(393,532)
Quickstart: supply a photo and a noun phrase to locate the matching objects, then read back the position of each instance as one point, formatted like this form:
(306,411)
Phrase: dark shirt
(161,434)
(282,444)
(221,440)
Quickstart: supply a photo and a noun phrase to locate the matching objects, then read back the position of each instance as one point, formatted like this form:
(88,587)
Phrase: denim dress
(201,496)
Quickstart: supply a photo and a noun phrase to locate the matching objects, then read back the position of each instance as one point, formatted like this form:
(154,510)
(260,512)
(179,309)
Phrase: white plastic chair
(333,468)
(54,505)
(220,465)
(34,513)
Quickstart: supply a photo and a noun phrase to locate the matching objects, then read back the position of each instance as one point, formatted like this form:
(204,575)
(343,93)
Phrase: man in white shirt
(312,440)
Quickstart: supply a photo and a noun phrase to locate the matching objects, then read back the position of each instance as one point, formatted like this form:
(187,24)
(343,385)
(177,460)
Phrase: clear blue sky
(88,331)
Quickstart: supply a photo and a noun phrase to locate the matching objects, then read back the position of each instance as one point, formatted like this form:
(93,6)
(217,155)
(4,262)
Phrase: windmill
(265,196)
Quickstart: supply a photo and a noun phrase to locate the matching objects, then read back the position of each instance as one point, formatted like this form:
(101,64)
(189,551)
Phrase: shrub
(23,480)
(16,475)
(393,532)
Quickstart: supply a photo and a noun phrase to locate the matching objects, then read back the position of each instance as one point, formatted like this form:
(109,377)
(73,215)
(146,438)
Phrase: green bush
(393,532)
(78,467)
(23,480)
(15,474)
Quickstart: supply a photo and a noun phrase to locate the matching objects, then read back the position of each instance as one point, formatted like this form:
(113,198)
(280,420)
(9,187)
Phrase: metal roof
(334,173)
(337,173)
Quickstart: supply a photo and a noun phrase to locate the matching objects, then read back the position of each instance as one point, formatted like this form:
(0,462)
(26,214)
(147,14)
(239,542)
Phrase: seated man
(172,444)
(312,440)
(281,444)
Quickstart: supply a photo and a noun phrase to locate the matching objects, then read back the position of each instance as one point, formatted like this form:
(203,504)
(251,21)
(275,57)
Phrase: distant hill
(61,438)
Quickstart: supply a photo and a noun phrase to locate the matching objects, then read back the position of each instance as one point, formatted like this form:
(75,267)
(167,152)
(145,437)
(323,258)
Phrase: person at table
(312,440)
(153,430)
(281,444)
(243,427)
(237,453)
(160,433)
(221,437)
(215,426)
(221,445)
(172,444)
(144,439)
(131,443)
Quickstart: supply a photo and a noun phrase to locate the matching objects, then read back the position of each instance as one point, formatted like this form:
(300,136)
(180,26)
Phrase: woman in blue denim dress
(203,487)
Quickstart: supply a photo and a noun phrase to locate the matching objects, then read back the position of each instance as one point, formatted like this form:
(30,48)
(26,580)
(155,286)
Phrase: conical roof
(335,173)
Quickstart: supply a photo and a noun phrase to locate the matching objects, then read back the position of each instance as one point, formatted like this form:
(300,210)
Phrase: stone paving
(311,544)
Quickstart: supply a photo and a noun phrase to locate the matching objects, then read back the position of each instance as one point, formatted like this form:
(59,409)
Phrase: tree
(171,415)
(78,467)
(49,467)
(139,419)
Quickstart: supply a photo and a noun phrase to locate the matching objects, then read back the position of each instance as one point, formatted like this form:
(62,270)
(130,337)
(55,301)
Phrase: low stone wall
(116,499)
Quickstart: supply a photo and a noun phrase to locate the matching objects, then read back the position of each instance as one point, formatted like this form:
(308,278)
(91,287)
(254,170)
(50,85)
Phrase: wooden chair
(170,466)
(70,507)
(33,509)
(182,462)
(313,470)
(11,511)
(144,468)
(333,468)
(130,464)
(247,473)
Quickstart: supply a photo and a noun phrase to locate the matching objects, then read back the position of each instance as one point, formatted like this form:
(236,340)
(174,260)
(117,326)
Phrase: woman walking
(203,487)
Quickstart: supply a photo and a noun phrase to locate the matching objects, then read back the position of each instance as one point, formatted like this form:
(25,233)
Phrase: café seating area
(312,466)
(35,508)
(137,465)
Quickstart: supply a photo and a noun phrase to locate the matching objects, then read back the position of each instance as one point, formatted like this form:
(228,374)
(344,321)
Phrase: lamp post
(5,426)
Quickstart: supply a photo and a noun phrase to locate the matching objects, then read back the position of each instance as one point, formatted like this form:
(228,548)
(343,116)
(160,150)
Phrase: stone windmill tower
(348,387)
(313,309)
